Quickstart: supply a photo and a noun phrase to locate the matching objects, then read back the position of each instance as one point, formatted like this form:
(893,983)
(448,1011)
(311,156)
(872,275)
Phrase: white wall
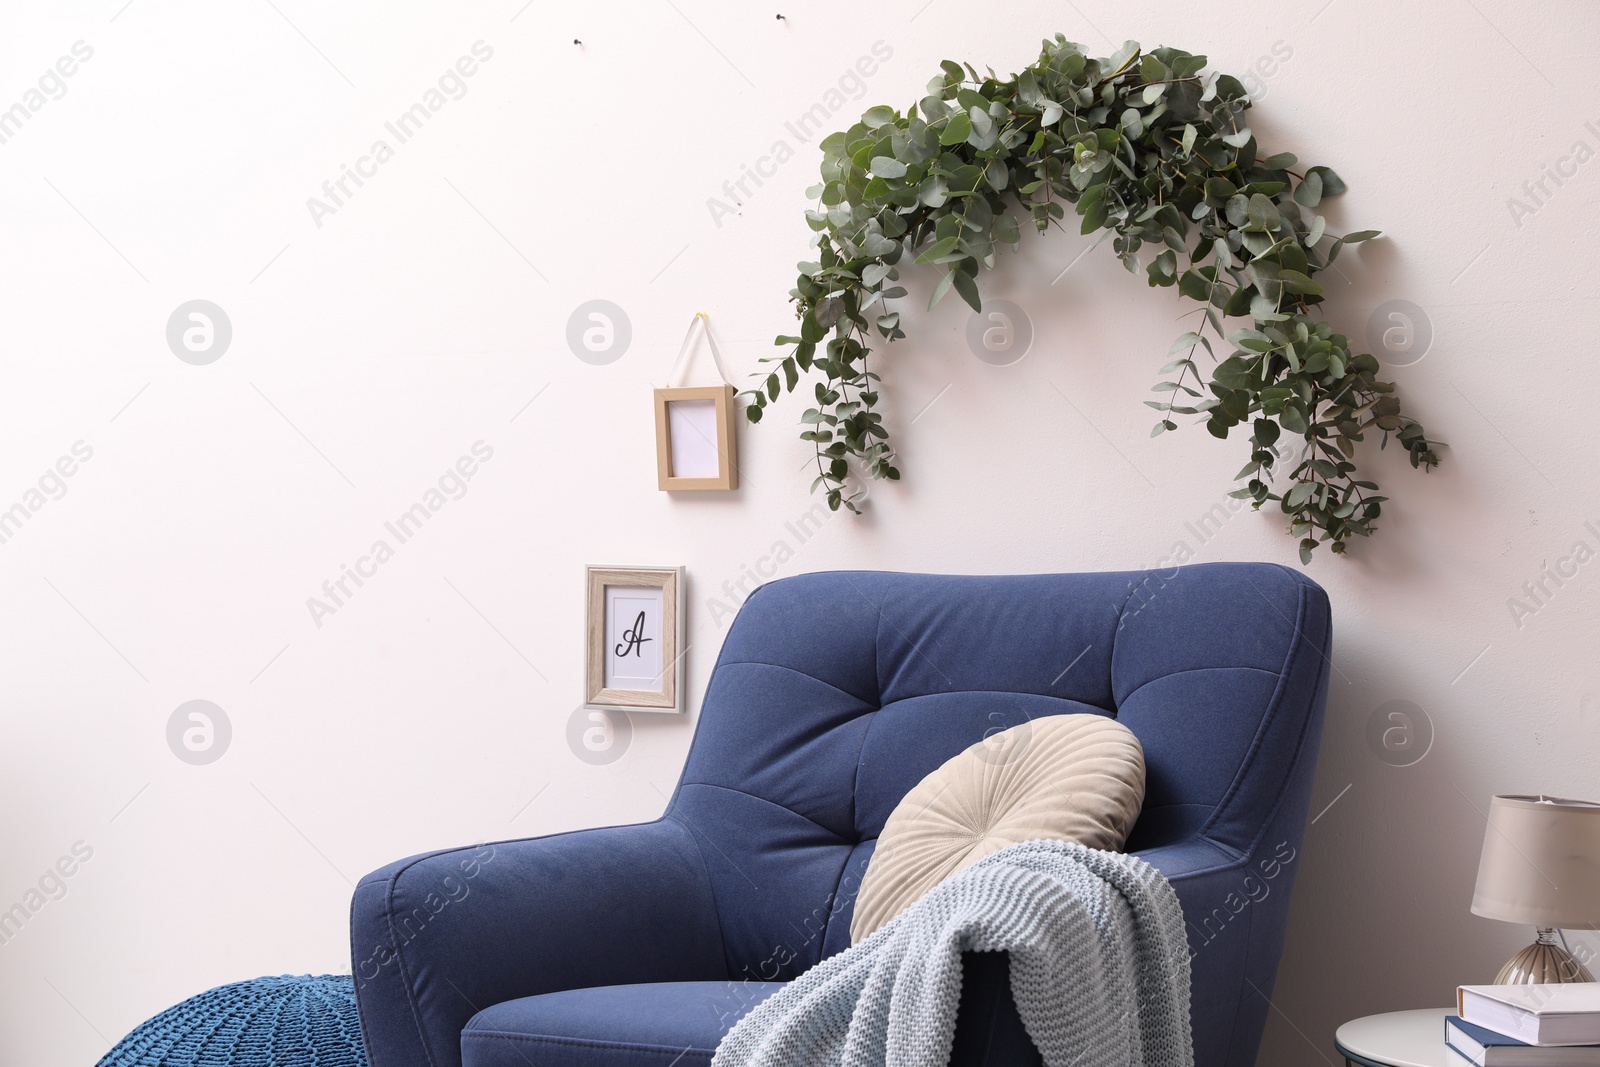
(370,352)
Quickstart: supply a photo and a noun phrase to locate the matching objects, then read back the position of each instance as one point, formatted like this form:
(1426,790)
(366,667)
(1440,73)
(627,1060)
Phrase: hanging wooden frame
(697,425)
(706,439)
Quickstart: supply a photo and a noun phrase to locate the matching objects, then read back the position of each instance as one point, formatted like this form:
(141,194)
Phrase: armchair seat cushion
(658,1024)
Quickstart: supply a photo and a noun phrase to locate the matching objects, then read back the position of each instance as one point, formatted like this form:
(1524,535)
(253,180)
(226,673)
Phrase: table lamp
(1541,866)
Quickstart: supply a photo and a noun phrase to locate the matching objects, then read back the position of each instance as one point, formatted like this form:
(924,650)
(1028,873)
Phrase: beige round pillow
(1063,777)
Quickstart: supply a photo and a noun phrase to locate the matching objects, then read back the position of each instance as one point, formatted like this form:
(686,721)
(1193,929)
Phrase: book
(1536,1014)
(1482,1047)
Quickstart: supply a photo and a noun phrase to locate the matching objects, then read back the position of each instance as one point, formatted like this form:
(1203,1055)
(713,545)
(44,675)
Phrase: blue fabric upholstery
(833,695)
(656,1024)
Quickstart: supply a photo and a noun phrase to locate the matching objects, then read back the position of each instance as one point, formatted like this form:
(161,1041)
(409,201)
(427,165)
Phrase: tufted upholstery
(834,694)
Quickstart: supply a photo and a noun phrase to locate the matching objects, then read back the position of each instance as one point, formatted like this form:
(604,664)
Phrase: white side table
(1395,1039)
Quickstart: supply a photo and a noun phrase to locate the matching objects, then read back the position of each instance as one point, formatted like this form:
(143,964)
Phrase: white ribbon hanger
(686,351)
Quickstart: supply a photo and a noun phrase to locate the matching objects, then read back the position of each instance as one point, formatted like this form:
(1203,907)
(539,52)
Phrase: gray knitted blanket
(1099,971)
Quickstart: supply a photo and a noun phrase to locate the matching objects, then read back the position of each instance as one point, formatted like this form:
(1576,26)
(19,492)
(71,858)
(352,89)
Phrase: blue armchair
(833,695)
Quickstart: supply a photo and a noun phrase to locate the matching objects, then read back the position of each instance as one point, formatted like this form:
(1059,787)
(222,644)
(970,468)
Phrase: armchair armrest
(1226,897)
(1235,908)
(438,937)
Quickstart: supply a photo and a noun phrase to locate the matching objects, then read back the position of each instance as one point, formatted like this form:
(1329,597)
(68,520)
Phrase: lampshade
(1541,863)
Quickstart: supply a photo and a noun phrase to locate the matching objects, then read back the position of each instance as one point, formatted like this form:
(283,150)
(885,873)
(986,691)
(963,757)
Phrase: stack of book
(1525,1026)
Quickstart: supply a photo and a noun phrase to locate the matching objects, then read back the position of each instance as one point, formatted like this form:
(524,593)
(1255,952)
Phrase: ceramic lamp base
(1543,961)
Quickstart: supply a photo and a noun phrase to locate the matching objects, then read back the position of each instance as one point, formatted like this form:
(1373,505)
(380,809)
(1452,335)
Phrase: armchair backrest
(836,692)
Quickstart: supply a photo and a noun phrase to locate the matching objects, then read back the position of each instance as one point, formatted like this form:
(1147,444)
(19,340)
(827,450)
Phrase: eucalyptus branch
(1144,147)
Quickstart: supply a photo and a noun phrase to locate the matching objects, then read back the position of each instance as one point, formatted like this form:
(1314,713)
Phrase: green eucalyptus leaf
(1309,192)
(1296,282)
(888,167)
(828,311)
(967,288)
(1188,340)
(876,117)
(1194,286)
(939,250)
(957,130)
(1332,184)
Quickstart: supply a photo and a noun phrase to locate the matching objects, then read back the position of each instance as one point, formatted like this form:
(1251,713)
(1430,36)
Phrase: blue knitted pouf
(289,1021)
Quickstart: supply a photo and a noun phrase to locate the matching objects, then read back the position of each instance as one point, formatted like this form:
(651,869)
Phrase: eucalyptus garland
(1143,146)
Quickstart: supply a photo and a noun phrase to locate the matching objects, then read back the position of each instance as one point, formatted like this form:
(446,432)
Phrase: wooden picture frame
(629,610)
(711,463)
